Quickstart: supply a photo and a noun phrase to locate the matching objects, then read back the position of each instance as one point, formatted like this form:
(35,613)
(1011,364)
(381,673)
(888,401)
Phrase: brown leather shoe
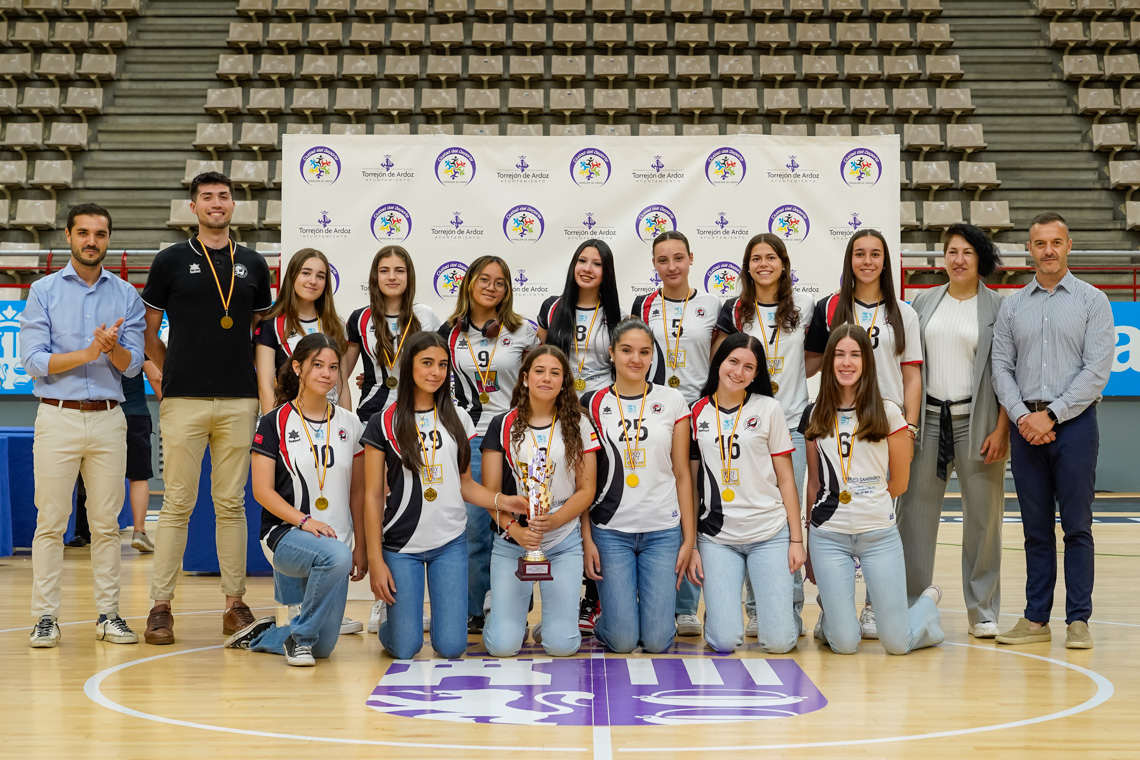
(159,626)
(235,618)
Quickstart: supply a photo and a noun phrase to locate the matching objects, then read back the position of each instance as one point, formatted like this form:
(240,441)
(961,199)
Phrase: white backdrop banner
(532,201)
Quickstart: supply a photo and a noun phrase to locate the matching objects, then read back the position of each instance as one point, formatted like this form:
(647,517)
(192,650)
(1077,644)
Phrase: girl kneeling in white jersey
(640,530)
(859,456)
(749,517)
(417,477)
(545,417)
(309,480)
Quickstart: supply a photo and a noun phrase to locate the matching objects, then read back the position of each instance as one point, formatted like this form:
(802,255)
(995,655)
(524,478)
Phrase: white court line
(132,617)
(1104,692)
(1014,614)
(92,688)
(603,746)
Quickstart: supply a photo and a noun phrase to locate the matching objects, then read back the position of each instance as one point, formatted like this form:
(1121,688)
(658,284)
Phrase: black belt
(945,432)
(1038,406)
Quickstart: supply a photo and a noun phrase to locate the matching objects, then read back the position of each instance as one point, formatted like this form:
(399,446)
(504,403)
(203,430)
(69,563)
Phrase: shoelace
(301,650)
(119,625)
(44,627)
(162,618)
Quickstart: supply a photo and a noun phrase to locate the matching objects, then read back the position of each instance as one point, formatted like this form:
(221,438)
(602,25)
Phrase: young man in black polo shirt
(212,291)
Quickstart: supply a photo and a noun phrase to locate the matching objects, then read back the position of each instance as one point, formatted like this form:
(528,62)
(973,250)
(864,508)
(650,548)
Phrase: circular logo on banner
(861,168)
(335,278)
(653,220)
(725,166)
(320,166)
(590,166)
(455,166)
(391,223)
(789,222)
(721,278)
(523,224)
(448,278)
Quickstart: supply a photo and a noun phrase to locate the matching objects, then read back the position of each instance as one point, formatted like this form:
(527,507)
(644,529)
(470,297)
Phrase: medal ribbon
(665,323)
(483,375)
(776,348)
(321,463)
(640,416)
(844,471)
(392,361)
(423,446)
(720,439)
(873,318)
(225,299)
(581,355)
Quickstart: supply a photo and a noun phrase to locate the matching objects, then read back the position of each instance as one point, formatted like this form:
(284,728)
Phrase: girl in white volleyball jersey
(545,418)
(578,322)
(858,462)
(304,306)
(641,527)
(487,342)
(417,477)
(749,517)
(683,320)
(309,479)
(378,331)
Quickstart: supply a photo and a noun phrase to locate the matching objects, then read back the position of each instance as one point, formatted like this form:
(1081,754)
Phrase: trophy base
(533,570)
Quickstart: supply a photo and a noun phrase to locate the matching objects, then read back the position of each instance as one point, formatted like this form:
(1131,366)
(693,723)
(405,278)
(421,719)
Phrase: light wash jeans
(880,554)
(505,629)
(402,634)
(638,589)
(766,564)
(799,469)
(480,533)
(312,570)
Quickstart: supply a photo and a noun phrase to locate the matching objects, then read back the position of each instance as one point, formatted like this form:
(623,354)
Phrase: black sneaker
(475,623)
(78,542)
(298,655)
(241,639)
(588,611)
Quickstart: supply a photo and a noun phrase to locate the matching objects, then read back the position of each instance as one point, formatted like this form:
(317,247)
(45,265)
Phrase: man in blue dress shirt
(1052,357)
(80,333)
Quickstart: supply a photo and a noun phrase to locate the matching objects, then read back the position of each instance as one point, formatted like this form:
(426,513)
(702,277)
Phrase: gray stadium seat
(922,137)
(954,102)
(402,67)
(773,37)
(925,9)
(978,176)
(411,37)
(820,68)
(833,130)
(413,9)
(934,36)
(650,68)
(568,69)
(695,101)
(391,129)
(744,129)
(777,68)
(653,101)
(967,138)
(495,9)
(943,68)
(567,102)
(356,101)
(827,102)
(58,67)
(254,8)
(524,68)
(439,102)
(690,37)
(908,220)
(650,36)
(245,35)
(249,175)
(846,9)
(40,100)
(1107,34)
(805,8)
(1081,68)
(813,36)
(318,68)
(324,36)
(911,102)
(370,9)
(731,37)
(1097,102)
(98,66)
(901,68)
(361,68)
(83,101)
(613,130)
(334,9)
(656,130)
(121,8)
(782,102)
(235,68)
(766,8)
(990,215)
(931,175)
(482,102)
(862,68)
(224,100)
(568,130)
(71,34)
(304,129)
(1121,68)
(397,102)
(285,36)
(531,37)
(612,36)
(450,10)
(478,130)
(893,36)
(366,35)
(526,102)
(258,137)
(938,215)
(742,102)
(693,69)
(790,130)
(245,214)
(1067,34)
(884,9)
(214,137)
(195,166)
(444,68)
(569,36)
(23,136)
(611,103)
(109,34)
(700,130)
(854,36)
(735,69)
(13,174)
(487,69)
(272,215)
(446,36)
(265,101)
(868,103)
(524,130)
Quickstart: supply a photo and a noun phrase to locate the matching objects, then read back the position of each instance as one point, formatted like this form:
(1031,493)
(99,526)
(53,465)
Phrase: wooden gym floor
(196,700)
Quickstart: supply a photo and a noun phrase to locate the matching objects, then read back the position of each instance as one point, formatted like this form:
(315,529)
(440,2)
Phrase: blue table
(201,547)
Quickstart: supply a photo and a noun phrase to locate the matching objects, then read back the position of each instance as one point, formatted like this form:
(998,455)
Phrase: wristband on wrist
(507,530)
(797,542)
(304,520)
(497,495)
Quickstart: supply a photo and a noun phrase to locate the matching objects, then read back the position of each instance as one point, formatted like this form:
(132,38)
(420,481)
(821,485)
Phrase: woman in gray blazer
(962,428)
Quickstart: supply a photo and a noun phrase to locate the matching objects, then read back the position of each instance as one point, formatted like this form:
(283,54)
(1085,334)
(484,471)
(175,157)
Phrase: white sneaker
(867,624)
(348,625)
(486,604)
(688,625)
(984,630)
(752,629)
(934,592)
(46,634)
(299,656)
(114,629)
(376,616)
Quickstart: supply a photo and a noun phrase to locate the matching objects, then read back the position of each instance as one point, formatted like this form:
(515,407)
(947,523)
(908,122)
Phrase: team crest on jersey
(656,408)
(702,427)
(240,271)
(607,410)
(294,436)
(195,269)
(506,341)
(752,423)
(701,312)
(342,434)
(592,691)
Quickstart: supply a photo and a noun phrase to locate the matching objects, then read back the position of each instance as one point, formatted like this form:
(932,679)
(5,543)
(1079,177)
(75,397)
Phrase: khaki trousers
(69,443)
(187,426)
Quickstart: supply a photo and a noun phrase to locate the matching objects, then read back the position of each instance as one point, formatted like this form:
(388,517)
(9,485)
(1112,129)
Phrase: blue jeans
(799,469)
(317,568)
(506,624)
(480,532)
(766,564)
(402,634)
(1058,476)
(638,589)
(880,554)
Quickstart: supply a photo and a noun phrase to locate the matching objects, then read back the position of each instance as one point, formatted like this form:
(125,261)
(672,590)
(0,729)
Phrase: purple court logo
(725,166)
(590,167)
(596,692)
(455,166)
(721,279)
(335,278)
(653,220)
(448,278)
(523,224)
(391,223)
(320,166)
(861,168)
(789,222)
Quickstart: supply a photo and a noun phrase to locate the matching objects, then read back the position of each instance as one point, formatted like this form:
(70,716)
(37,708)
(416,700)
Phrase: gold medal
(227,322)
(580,354)
(775,387)
(845,497)
(728,494)
(430,494)
(322,503)
(579,384)
(391,382)
(674,381)
(631,480)
(484,397)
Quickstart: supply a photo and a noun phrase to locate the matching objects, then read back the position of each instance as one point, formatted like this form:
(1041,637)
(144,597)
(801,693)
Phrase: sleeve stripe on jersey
(696,413)
(647,305)
(736,314)
(365,318)
(781,453)
(916,361)
(279,329)
(389,422)
(904,427)
(282,422)
(832,304)
(505,436)
(550,314)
